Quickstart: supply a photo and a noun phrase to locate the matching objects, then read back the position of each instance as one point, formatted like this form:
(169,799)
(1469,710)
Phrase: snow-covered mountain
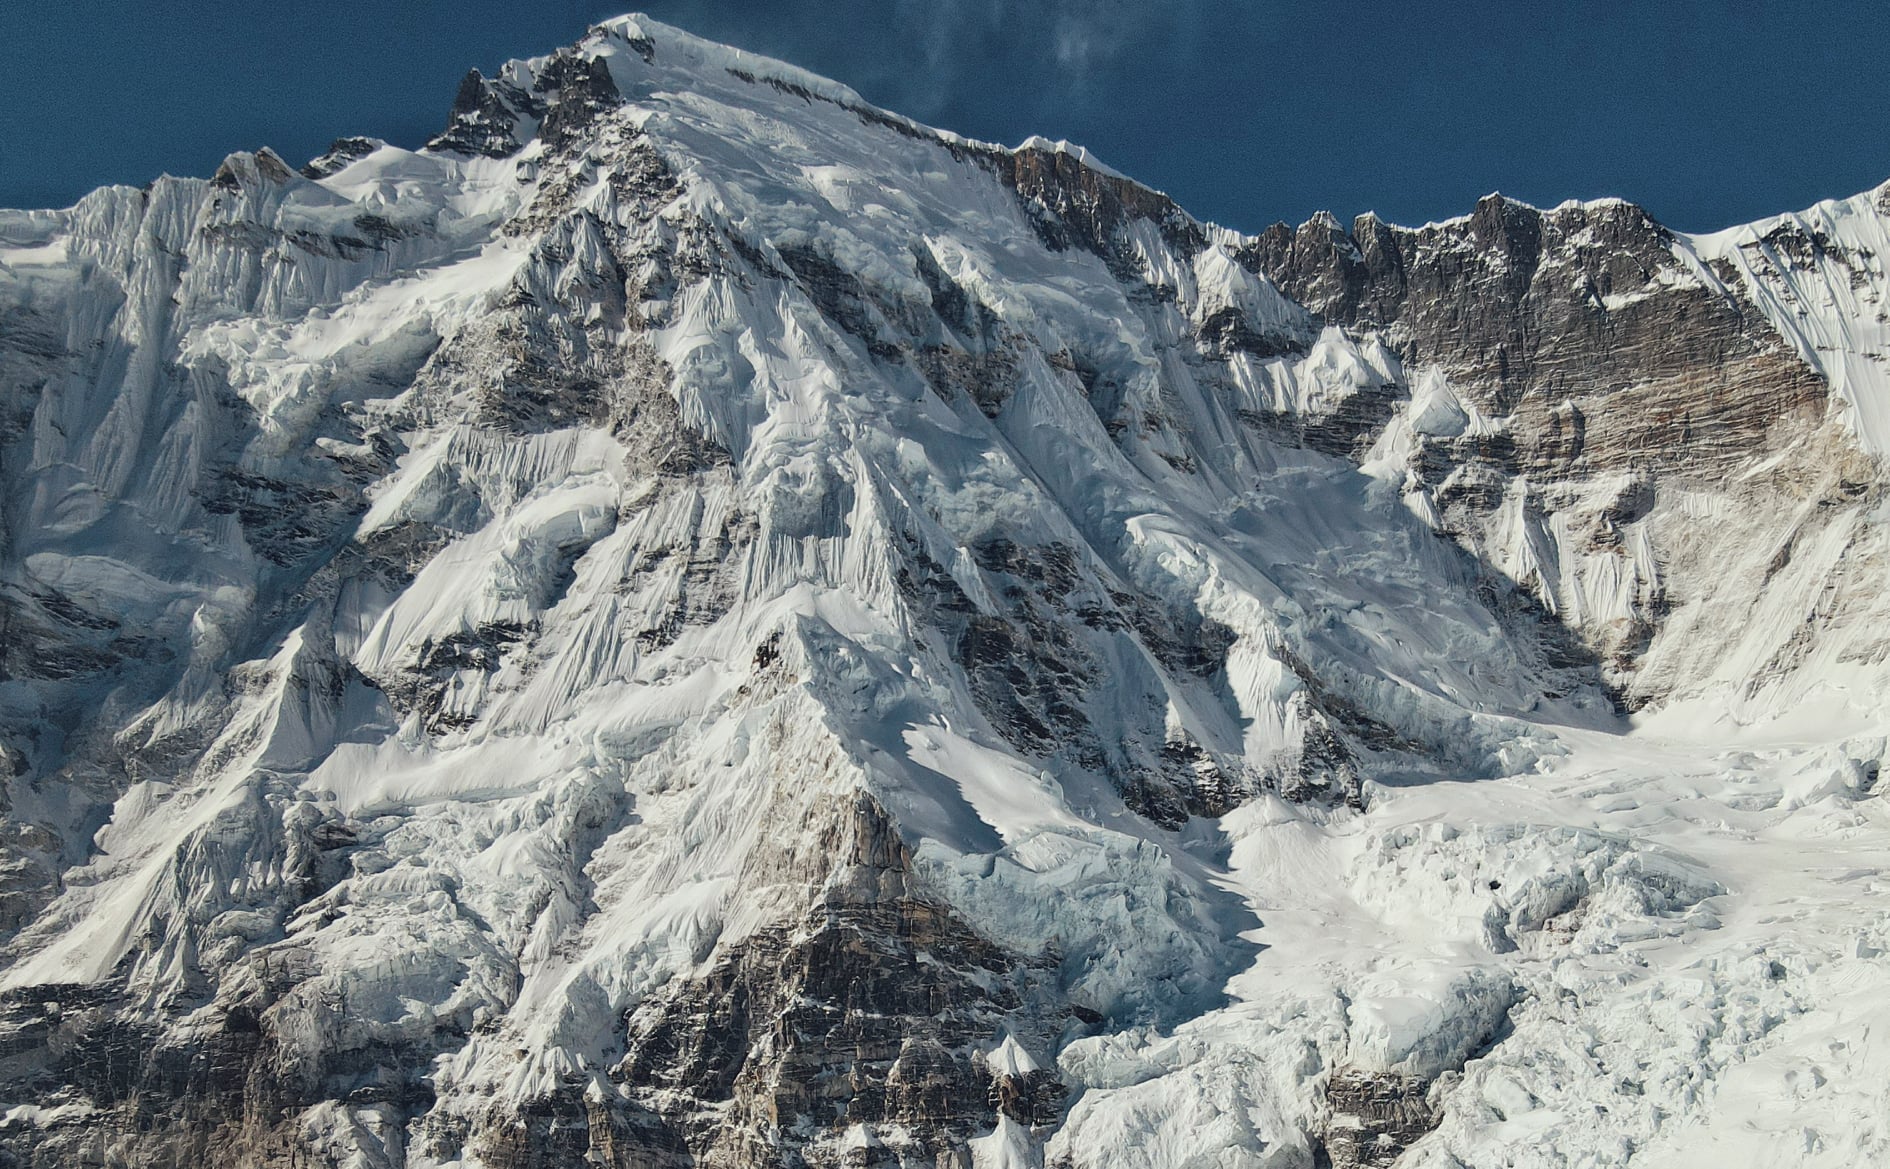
(695,621)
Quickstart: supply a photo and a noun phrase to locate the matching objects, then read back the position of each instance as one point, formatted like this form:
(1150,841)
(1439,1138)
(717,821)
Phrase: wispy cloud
(923,57)
(1061,44)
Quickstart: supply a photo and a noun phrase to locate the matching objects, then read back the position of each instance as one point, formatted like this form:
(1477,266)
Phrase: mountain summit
(696,621)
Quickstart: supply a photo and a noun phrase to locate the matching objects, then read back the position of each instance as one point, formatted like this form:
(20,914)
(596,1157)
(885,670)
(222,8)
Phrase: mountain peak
(246,168)
(670,47)
(496,116)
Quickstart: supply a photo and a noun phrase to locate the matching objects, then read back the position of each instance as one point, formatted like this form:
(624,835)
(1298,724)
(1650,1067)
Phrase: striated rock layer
(694,621)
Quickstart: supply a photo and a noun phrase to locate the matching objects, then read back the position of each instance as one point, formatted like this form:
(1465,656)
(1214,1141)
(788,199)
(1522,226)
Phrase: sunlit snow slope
(694,621)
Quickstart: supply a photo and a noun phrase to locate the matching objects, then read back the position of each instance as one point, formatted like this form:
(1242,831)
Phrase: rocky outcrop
(1375,1118)
(487,116)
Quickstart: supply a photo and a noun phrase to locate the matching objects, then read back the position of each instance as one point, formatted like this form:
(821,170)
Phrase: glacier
(696,621)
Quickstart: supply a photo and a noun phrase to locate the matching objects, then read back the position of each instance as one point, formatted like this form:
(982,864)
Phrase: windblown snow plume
(696,621)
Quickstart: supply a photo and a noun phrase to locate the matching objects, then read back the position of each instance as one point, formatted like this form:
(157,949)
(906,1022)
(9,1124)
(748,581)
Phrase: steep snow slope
(1818,277)
(694,620)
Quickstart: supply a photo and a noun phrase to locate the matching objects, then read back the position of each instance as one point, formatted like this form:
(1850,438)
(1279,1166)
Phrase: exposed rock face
(1612,369)
(697,622)
(869,1012)
(1581,326)
(1082,206)
(1375,1118)
(341,152)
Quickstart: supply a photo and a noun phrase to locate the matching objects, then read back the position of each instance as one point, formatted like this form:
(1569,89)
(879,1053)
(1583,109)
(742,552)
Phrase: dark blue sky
(1248,112)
